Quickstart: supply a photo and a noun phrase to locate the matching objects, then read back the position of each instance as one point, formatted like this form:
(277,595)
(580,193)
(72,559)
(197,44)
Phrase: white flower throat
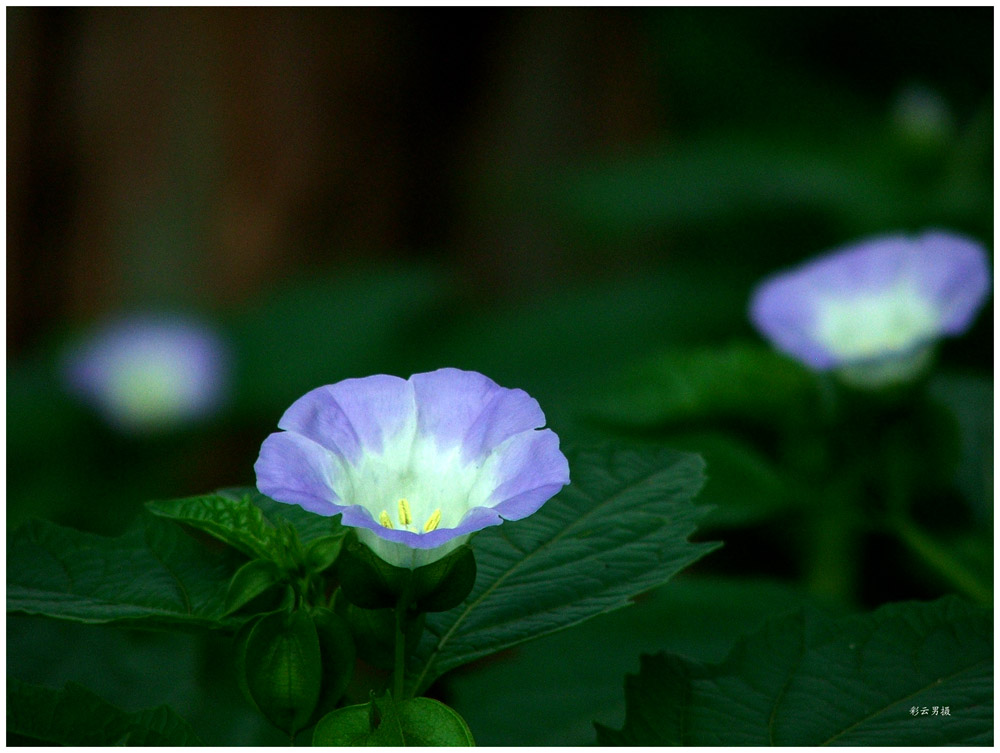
(875,324)
(415,485)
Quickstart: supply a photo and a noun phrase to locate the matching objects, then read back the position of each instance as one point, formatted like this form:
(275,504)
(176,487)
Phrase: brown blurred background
(195,156)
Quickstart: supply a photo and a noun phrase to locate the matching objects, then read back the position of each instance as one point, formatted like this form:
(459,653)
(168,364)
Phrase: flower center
(405,518)
(430,487)
(875,324)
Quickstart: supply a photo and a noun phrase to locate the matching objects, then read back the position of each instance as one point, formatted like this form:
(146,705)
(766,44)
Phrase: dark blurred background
(204,156)
(539,194)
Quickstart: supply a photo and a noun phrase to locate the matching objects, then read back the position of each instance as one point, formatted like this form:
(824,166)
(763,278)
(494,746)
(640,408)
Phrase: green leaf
(808,680)
(322,553)
(250,581)
(237,522)
(619,529)
(76,717)
(416,722)
(283,668)
(555,687)
(743,381)
(308,525)
(154,575)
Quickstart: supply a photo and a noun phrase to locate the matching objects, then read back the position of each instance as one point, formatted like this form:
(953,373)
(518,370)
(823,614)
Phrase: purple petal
(783,309)
(869,266)
(294,469)
(429,540)
(533,469)
(955,275)
(353,414)
(467,408)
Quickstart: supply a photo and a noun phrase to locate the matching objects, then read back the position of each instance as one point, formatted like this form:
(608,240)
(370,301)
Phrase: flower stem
(832,568)
(397,675)
(941,560)
(402,604)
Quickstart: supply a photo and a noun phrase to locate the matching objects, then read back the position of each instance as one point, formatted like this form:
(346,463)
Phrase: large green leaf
(620,528)
(553,689)
(75,716)
(808,680)
(154,574)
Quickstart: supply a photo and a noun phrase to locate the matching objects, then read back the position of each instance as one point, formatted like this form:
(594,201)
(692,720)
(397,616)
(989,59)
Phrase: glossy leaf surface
(154,574)
(808,680)
(620,528)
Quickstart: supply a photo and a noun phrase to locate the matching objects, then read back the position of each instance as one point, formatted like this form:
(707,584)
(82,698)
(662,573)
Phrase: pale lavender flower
(150,372)
(415,465)
(873,310)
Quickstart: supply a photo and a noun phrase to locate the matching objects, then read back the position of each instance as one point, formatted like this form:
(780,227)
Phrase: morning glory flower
(415,465)
(150,372)
(872,311)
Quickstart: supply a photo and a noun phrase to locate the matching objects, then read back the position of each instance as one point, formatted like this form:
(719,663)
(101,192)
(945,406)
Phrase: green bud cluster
(313,611)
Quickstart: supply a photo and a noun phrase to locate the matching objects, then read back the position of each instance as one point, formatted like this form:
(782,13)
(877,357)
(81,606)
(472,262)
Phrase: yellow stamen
(405,518)
(383,518)
(432,521)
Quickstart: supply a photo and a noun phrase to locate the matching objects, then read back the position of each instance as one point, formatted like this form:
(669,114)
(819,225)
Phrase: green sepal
(446,583)
(322,553)
(428,722)
(370,582)
(282,662)
(415,722)
(374,632)
(348,726)
(336,646)
(250,582)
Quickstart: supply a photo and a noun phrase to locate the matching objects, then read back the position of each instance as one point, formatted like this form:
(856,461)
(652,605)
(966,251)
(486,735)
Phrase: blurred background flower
(149,373)
(872,310)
